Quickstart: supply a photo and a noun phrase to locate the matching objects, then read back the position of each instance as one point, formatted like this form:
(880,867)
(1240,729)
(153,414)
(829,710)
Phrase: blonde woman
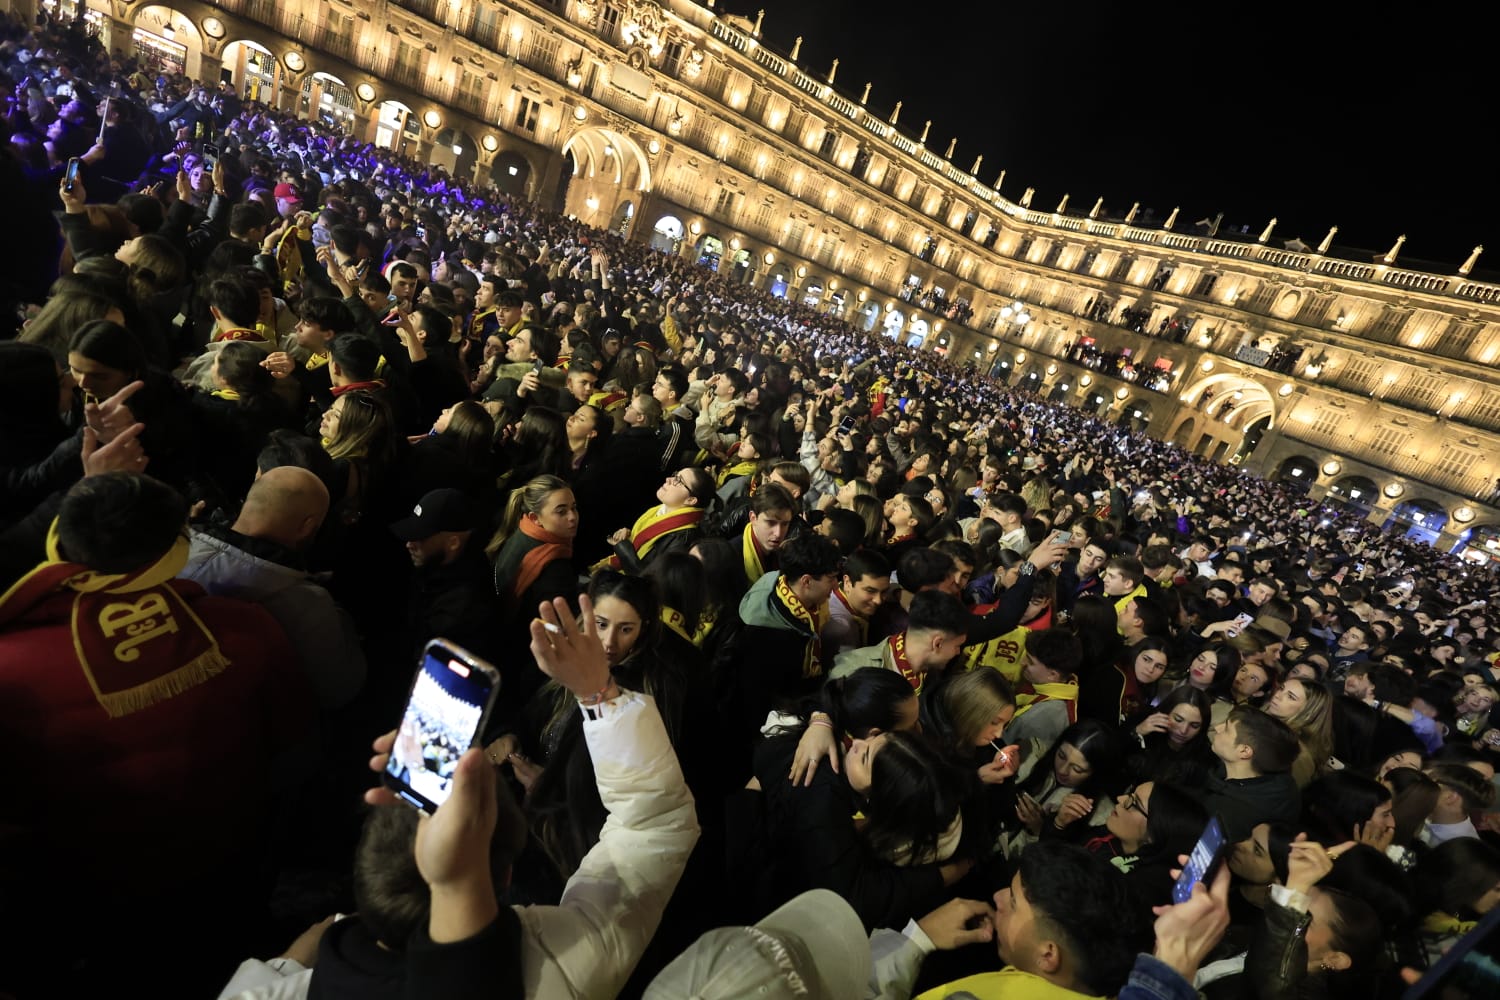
(1308,710)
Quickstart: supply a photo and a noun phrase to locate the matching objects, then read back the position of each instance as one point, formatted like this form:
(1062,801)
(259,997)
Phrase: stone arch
(1182,434)
(252,69)
(335,101)
(456,151)
(1297,469)
(511,173)
(667,234)
(1237,400)
(1360,489)
(606,164)
(1423,512)
(167,37)
(393,125)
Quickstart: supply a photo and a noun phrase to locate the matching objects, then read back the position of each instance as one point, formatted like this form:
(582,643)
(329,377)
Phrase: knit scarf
(812,624)
(657,523)
(902,663)
(754,556)
(135,651)
(1028,696)
(729,472)
(536,557)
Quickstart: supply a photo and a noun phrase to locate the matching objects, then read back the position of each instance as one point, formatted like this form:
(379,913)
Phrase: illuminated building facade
(673,125)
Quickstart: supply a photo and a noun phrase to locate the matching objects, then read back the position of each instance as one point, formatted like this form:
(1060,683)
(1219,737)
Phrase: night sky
(1255,110)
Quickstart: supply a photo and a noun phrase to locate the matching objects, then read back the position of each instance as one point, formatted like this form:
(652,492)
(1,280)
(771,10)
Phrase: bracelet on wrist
(823,721)
(602,695)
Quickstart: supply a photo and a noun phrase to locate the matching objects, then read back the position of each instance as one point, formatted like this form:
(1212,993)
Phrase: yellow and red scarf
(753,554)
(902,663)
(240,333)
(135,651)
(860,623)
(656,524)
(812,620)
(677,622)
(1028,696)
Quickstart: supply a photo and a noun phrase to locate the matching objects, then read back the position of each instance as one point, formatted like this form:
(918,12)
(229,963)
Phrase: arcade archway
(252,70)
(1356,489)
(168,40)
(607,166)
(666,235)
(395,126)
(456,152)
(511,173)
(1422,519)
(327,99)
(1298,470)
(1232,399)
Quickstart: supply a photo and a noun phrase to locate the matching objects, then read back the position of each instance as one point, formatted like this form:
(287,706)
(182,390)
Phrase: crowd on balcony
(828,667)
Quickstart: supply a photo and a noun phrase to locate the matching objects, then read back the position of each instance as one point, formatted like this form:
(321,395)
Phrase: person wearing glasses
(671,524)
(1150,825)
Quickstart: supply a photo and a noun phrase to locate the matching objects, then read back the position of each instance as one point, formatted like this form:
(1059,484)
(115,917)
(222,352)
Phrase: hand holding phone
(450,700)
(70,177)
(1202,862)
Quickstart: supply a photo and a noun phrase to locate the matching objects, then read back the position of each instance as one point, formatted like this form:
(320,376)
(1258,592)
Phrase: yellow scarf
(810,619)
(677,622)
(1034,694)
(1440,924)
(755,566)
(134,653)
(316,361)
(1010,982)
(729,472)
(1003,653)
(226,393)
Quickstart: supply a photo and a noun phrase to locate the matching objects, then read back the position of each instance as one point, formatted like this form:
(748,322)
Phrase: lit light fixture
(490,144)
(592,203)
(1086,381)
(653,147)
(294,62)
(213,27)
(458,150)
(1121,392)
(1297,473)
(734,243)
(1355,494)
(695,227)
(1464,514)
(1208,365)
(575,73)
(675,123)
(1136,414)
(1393,490)
(801,270)
(769,257)
(1285,390)
(432,118)
(1065,387)
(1020,357)
(1332,467)
(365,92)
(1052,369)
(168,32)
(513,170)
(580,112)
(609,150)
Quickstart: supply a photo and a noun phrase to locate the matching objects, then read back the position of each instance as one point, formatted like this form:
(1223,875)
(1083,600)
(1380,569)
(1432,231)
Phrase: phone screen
(71,177)
(846,425)
(1201,862)
(450,698)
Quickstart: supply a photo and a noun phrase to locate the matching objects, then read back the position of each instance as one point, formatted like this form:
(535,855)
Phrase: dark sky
(1316,113)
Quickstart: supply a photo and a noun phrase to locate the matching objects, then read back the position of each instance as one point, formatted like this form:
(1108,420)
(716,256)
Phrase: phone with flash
(450,700)
(70,177)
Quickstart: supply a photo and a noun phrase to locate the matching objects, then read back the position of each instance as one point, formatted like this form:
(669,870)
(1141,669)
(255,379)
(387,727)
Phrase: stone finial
(1265,233)
(833,71)
(1098,205)
(1328,240)
(952,145)
(796,48)
(1130,215)
(1171,220)
(1062,206)
(896,113)
(760,17)
(865,97)
(1390,255)
(925,129)
(977,161)
(999,180)
(1468,265)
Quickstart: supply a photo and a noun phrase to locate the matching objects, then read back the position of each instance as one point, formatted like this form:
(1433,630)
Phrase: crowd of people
(908,683)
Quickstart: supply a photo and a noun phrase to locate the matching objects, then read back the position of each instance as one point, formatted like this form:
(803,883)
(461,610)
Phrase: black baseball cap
(439,510)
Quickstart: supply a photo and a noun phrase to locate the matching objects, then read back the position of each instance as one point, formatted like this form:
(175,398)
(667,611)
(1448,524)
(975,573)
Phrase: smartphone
(421,232)
(1202,862)
(210,156)
(1062,538)
(846,426)
(70,179)
(1241,620)
(537,366)
(450,700)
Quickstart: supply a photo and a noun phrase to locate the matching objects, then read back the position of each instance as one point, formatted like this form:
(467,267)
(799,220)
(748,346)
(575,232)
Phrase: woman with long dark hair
(1071,781)
(1173,739)
(895,862)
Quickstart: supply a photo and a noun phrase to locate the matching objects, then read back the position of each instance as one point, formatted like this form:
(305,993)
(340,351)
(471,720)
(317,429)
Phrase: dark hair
(637,591)
(1129,567)
(236,299)
(772,498)
(1413,797)
(865,700)
(1452,876)
(1153,617)
(700,485)
(846,529)
(922,567)
(723,573)
(807,554)
(866,562)
(1057,649)
(240,367)
(937,610)
(913,799)
(390,894)
(1357,932)
(1273,745)
(109,344)
(120,521)
(288,447)
(675,377)
(1176,822)
(1338,802)
(1100,746)
(328,313)
(358,357)
(680,581)
(1186,694)
(1474,788)
(1079,899)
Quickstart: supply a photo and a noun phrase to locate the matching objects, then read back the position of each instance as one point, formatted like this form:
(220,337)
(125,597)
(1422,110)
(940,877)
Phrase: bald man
(260,559)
